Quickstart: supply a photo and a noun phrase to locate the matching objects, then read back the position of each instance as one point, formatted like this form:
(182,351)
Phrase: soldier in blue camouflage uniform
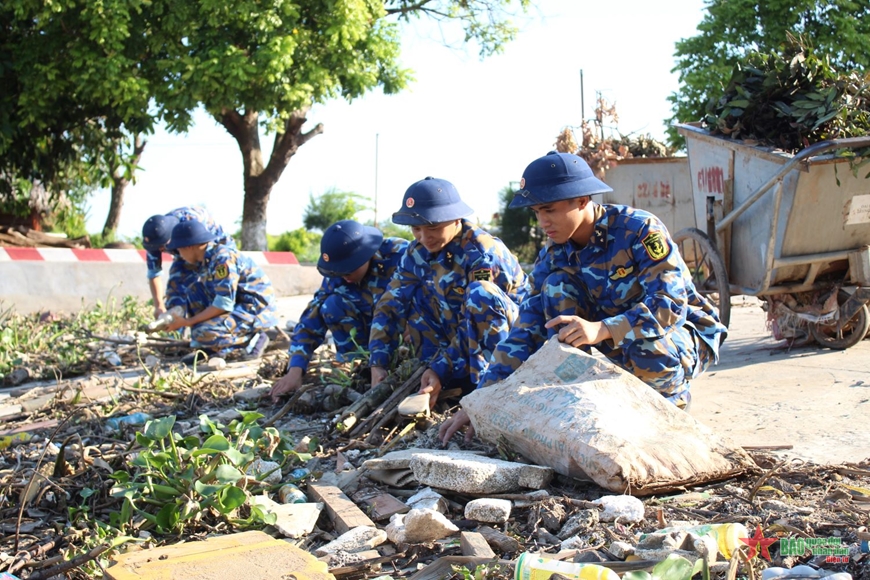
(471,288)
(610,277)
(357,263)
(230,303)
(155,235)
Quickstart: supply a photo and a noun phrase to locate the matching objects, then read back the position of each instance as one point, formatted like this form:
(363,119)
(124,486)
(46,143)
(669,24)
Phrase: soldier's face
(192,254)
(560,220)
(435,237)
(357,275)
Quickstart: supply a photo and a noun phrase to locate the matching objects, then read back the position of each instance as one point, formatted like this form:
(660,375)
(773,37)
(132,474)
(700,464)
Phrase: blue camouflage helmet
(554,177)
(189,233)
(157,230)
(346,245)
(431,201)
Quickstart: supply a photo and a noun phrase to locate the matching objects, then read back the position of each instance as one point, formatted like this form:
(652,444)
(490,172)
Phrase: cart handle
(811,151)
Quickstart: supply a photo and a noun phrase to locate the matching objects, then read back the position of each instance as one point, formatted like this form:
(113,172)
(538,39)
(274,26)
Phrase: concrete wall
(32,286)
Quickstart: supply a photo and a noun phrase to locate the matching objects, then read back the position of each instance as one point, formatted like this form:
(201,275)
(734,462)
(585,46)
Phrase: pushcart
(792,230)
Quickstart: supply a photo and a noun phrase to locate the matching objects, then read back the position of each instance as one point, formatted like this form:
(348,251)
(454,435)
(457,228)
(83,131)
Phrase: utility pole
(582,102)
(377,137)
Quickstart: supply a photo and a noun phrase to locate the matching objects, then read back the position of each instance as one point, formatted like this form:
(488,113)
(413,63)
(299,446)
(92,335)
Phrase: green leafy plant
(790,99)
(671,568)
(181,483)
(488,571)
(48,345)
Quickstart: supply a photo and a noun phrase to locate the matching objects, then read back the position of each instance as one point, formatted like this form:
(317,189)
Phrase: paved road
(814,399)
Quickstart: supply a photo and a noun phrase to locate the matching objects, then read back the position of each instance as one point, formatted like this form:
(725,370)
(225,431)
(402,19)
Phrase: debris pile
(339,481)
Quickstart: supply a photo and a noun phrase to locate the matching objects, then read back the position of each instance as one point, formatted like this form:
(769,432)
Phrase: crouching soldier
(156,232)
(229,305)
(471,288)
(357,263)
(610,277)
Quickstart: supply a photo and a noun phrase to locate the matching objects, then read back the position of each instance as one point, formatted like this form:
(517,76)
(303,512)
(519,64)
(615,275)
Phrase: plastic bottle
(532,566)
(727,535)
(9,440)
(289,493)
(801,573)
(114,423)
(164,319)
(299,473)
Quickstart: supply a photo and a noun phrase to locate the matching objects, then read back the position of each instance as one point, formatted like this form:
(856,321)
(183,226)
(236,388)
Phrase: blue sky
(476,123)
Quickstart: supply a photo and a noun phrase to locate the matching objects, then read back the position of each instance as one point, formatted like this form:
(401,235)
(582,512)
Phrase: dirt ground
(816,400)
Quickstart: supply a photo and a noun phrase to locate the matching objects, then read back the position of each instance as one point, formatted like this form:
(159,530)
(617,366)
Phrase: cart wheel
(707,268)
(852,332)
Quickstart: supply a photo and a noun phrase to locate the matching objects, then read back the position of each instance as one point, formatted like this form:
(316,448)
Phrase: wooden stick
(390,403)
(288,405)
(764,478)
(70,564)
(164,394)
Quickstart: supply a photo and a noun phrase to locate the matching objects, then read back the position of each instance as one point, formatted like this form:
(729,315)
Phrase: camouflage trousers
(349,319)
(229,332)
(487,314)
(666,363)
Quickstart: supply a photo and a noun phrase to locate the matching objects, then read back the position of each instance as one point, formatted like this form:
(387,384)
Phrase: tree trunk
(259,179)
(120,180)
(115,205)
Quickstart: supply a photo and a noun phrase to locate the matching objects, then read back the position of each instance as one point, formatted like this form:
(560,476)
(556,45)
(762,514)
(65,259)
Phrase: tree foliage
(790,100)
(330,207)
(79,74)
(838,29)
(518,227)
(73,89)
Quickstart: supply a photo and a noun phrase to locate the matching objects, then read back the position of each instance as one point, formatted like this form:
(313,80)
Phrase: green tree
(518,227)
(838,29)
(330,207)
(123,65)
(73,88)
(304,244)
(392,230)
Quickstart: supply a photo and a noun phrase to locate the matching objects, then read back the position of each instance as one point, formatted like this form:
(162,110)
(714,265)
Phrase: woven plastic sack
(589,419)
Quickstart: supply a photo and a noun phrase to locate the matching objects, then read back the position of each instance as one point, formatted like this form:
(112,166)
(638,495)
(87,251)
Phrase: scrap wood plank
(443,566)
(345,515)
(385,505)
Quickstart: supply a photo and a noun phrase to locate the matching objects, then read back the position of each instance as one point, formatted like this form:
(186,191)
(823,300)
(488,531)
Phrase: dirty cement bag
(589,419)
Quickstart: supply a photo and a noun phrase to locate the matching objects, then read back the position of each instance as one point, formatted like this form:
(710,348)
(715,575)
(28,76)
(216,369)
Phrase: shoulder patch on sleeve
(482,274)
(655,245)
(221,271)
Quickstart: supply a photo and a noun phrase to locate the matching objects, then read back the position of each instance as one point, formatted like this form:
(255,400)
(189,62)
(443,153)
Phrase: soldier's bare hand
(378,375)
(177,323)
(454,424)
(578,331)
(430,383)
(286,384)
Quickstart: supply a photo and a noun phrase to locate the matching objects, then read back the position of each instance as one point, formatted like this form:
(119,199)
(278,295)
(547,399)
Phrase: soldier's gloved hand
(430,383)
(454,424)
(286,384)
(378,375)
(578,331)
